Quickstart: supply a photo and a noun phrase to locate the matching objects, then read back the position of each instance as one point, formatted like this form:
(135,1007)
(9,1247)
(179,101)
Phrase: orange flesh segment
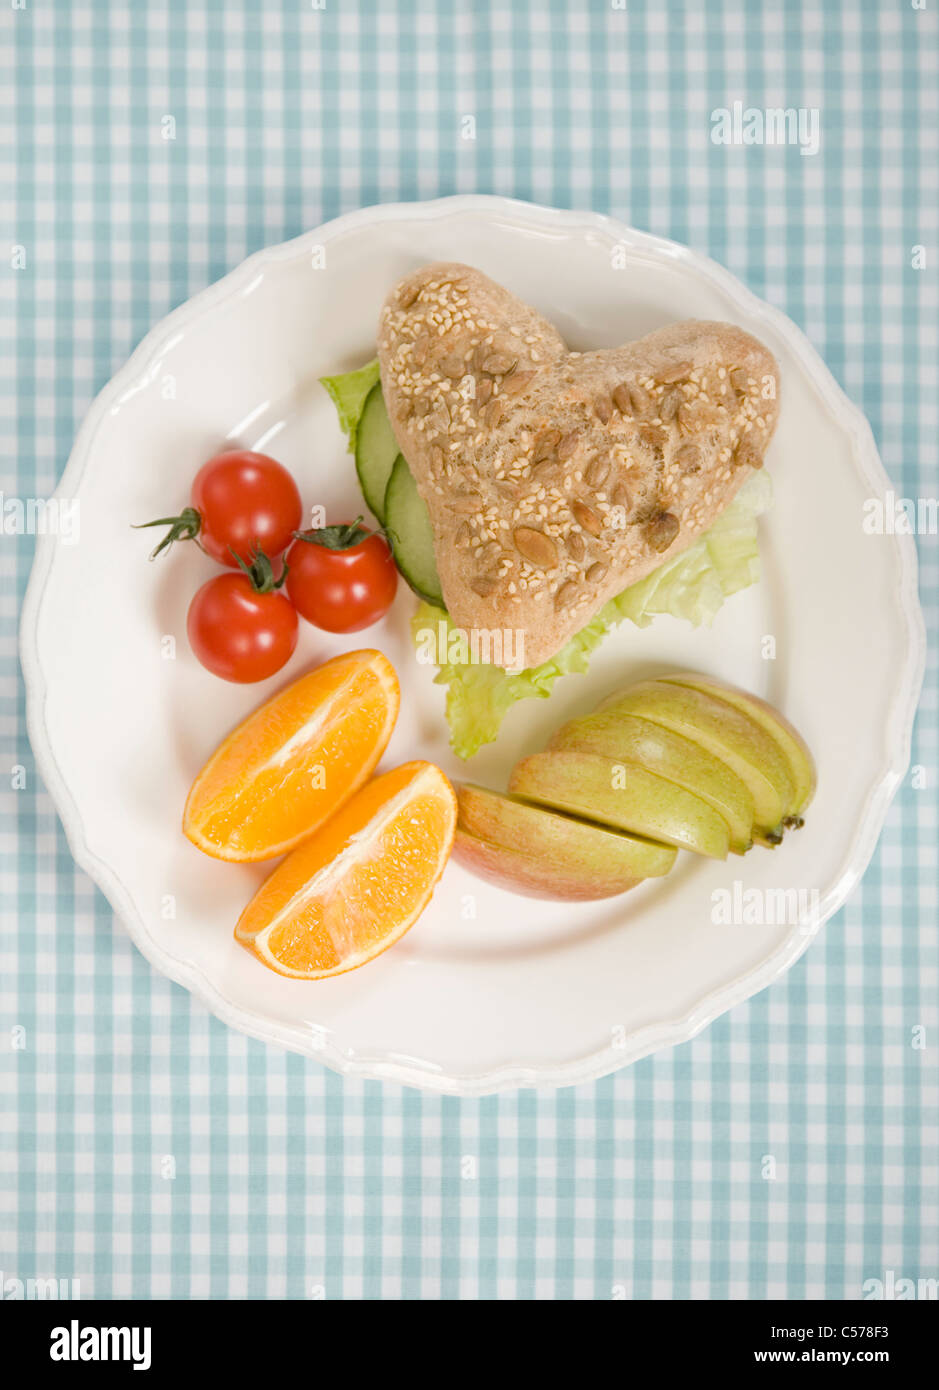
(353,889)
(288,767)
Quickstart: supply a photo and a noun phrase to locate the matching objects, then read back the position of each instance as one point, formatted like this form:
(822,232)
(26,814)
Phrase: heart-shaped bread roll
(555,479)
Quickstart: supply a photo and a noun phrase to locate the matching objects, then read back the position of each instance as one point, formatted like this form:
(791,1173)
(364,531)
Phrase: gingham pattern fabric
(148,1151)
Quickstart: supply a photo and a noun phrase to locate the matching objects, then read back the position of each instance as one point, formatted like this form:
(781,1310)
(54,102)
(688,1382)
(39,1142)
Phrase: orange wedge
(295,761)
(355,887)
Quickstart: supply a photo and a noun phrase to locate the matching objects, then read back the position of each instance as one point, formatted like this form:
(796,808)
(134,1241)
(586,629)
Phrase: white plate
(488,990)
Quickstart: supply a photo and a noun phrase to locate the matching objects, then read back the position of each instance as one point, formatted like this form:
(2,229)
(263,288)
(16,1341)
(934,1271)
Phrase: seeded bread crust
(555,479)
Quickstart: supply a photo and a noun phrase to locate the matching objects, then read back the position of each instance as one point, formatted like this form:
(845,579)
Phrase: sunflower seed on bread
(587,470)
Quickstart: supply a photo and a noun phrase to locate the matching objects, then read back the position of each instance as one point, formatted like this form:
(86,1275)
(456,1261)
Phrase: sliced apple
(794,748)
(545,854)
(623,795)
(630,739)
(722,730)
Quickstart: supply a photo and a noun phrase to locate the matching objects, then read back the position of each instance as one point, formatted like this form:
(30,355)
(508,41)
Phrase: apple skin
(716,726)
(586,784)
(533,878)
(630,739)
(794,747)
(542,854)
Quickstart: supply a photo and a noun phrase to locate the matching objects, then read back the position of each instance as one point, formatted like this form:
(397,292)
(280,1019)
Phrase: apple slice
(623,795)
(794,748)
(722,730)
(629,739)
(545,854)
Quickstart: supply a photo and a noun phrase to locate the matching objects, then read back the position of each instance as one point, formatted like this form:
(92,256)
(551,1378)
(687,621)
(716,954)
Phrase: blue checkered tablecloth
(146,1150)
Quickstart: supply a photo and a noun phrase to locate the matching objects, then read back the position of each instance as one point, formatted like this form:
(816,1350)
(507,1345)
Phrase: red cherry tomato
(238,633)
(247,501)
(341,578)
(241,502)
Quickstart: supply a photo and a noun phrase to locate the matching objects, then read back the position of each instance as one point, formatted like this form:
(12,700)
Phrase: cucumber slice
(410,533)
(375,451)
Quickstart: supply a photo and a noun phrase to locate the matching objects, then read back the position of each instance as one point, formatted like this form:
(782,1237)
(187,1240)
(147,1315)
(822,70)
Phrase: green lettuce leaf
(480,696)
(692,586)
(348,391)
(695,583)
